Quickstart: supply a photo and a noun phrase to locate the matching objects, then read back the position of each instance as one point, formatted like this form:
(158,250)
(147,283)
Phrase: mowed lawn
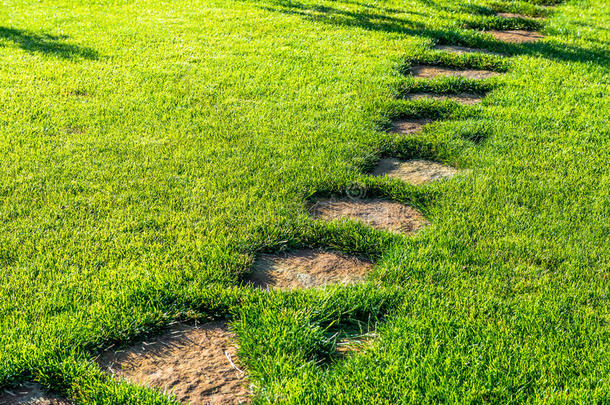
(149,150)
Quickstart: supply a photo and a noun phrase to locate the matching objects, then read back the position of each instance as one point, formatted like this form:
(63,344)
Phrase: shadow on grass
(47,44)
(377,21)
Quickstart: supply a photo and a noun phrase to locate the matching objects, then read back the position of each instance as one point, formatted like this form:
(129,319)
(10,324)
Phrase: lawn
(149,150)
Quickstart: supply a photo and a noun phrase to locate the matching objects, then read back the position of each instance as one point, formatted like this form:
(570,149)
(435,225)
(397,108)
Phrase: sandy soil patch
(30,394)
(415,171)
(426,71)
(517,36)
(409,126)
(197,364)
(380,214)
(307,268)
(461,98)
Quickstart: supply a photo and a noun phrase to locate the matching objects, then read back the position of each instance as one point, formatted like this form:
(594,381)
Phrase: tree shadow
(377,21)
(334,16)
(375,6)
(54,45)
(478,9)
(548,50)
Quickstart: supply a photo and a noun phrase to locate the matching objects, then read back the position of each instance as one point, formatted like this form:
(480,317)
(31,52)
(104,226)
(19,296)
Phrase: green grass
(150,149)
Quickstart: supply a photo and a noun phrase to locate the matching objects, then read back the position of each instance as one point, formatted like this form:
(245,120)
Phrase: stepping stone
(409,126)
(196,364)
(461,98)
(30,394)
(307,269)
(414,171)
(426,71)
(516,36)
(380,214)
(463,49)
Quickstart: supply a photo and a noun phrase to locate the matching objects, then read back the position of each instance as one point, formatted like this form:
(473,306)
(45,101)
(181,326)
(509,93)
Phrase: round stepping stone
(307,269)
(517,36)
(414,171)
(30,394)
(426,71)
(409,126)
(380,214)
(463,49)
(196,364)
(461,98)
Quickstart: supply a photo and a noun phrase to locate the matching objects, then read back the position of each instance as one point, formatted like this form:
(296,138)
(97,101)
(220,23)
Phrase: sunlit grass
(150,149)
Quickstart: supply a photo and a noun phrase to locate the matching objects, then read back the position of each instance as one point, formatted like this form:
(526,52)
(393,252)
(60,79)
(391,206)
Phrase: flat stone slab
(463,49)
(196,364)
(380,214)
(409,126)
(461,98)
(307,268)
(30,394)
(414,171)
(426,71)
(516,36)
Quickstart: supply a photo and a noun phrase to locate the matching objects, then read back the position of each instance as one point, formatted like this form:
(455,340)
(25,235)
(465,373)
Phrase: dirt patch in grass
(409,126)
(307,269)
(380,214)
(30,394)
(461,98)
(426,71)
(463,49)
(195,363)
(517,36)
(415,171)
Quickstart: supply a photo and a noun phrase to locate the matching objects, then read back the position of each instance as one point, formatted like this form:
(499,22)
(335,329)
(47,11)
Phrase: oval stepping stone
(197,364)
(409,126)
(30,394)
(516,36)
(463,49)
(461,98)
(380,214)
(426,71)
(307,269)
(414,171)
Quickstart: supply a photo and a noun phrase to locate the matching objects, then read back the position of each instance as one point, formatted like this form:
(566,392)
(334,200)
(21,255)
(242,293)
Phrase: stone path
(307,268)
(416,171)
(517,36)
(409,126)
(199,364)
(427,72)
(380,214)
